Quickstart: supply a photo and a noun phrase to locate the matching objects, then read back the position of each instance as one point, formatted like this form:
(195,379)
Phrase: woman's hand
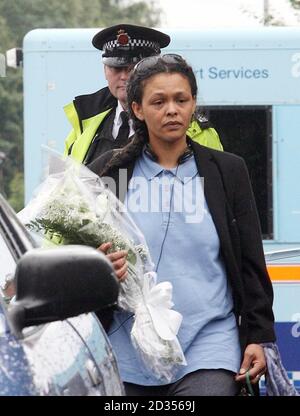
(118,259)
(255,362)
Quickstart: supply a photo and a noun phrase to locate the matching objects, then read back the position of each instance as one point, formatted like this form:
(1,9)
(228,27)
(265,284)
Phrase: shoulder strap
(201,119)
(203,122)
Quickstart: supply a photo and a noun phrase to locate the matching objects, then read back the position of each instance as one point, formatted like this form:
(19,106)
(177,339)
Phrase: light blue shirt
(169,207)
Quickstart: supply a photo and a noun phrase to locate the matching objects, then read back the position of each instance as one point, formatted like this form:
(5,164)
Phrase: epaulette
(203,122)
(201,119)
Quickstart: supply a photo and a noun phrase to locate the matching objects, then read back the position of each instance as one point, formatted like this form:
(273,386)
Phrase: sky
(222,13)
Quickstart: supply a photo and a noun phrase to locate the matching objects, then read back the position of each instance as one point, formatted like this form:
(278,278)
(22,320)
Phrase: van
(249,89)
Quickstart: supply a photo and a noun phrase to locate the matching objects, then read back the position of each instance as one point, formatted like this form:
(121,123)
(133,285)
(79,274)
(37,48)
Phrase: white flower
(101,205)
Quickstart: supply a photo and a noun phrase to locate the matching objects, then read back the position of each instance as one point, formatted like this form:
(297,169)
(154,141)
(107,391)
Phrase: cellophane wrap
(74,206)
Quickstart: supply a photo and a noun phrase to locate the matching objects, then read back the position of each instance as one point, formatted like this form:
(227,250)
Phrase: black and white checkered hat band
(133,43)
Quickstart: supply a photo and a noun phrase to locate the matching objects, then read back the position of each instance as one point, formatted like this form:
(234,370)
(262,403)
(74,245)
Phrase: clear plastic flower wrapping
(74,206)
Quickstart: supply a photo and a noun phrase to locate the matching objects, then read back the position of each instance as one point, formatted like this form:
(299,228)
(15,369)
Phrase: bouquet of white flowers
(75,207)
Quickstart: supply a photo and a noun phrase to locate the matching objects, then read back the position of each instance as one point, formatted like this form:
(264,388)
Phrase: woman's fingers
(122,273)
(119,263)
(254,364)
(117,255)
(104,247)
(118,259)
(255,377)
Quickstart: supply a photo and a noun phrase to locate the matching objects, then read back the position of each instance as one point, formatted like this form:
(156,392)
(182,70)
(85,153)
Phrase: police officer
(99,120)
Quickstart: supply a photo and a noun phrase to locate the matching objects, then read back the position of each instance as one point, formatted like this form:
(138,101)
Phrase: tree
(11,126)
(16,191)
(17,17)
(24,15)
(275,13)
(295,3)
(283,13)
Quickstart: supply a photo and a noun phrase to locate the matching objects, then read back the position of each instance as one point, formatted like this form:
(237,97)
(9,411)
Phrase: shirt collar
(118,122)
(185,172)
(119,110)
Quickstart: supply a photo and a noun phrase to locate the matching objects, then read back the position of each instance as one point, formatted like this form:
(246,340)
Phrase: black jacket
(231,202)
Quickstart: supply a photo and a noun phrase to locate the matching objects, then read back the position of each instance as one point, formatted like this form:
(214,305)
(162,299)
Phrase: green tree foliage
(17,17)
(11,127)
(295,3)
(277,19)
(16,190)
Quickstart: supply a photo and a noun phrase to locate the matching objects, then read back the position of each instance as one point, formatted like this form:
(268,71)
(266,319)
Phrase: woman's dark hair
(144,70)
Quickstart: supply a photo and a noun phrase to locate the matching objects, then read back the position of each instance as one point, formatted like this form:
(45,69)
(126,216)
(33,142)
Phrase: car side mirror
(59,283)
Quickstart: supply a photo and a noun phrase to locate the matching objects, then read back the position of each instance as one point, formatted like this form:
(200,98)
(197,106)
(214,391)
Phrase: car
(51,341)
(284,269)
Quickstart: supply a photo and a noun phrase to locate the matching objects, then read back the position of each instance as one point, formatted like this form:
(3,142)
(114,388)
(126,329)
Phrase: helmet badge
(122,38)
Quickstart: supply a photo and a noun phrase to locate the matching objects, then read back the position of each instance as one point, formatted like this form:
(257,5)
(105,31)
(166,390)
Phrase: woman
(212,255)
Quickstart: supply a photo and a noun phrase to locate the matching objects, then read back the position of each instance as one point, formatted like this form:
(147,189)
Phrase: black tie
(124,128)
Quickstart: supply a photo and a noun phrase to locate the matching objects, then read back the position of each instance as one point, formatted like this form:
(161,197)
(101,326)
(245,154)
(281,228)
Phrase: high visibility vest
(206,136)
(78,142)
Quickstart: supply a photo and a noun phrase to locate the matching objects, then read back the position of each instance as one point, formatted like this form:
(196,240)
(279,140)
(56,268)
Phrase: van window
(247,131)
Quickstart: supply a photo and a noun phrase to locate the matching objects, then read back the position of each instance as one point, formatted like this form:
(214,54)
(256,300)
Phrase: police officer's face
(117,78)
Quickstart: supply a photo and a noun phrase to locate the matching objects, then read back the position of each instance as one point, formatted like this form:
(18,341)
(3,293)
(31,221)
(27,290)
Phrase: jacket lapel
(215,196)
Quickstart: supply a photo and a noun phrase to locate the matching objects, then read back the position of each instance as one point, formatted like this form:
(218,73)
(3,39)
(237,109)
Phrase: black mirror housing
(55,284)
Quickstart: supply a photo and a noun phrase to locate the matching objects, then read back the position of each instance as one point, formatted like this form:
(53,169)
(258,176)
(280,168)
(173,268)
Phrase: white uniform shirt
(118,122)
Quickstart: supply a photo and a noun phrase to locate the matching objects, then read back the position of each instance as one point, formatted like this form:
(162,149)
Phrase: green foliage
(11,131)
(295,3)
(272,20)
(16,191)
(136,12)
(17,17)
(25,15)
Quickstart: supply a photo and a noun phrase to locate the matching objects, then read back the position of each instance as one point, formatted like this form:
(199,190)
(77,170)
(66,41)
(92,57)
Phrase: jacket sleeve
(257,284)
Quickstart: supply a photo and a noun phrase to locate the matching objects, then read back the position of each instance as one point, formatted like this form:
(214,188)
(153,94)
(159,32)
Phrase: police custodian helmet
(124,44)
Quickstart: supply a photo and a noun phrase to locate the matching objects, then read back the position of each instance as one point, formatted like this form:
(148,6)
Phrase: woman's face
(167,107)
